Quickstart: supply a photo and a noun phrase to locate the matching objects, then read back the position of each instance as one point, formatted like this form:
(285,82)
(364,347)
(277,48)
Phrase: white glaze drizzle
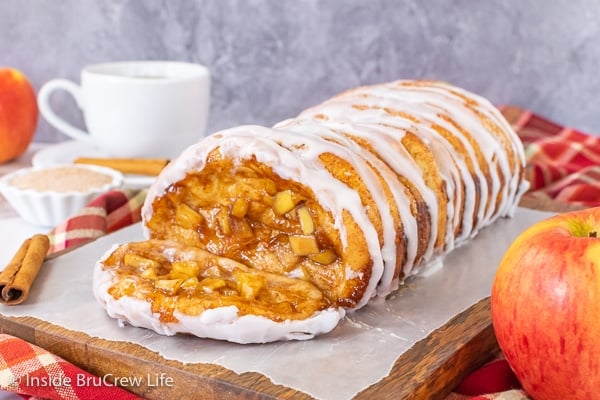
(426,115)
(389,281)
(440,95)
(491,147)
(367,105)
(280,149)
(343,108)
(444,152)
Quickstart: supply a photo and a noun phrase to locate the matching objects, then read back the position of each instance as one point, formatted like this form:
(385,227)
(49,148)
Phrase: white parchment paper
(358,353)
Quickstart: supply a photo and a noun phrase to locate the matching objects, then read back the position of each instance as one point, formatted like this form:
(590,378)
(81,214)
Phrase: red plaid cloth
(562,163)
(35,373)
(107,213)
(561,166)
(493,381)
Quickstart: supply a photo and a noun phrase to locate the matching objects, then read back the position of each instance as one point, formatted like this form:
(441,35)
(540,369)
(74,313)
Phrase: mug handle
(49,114)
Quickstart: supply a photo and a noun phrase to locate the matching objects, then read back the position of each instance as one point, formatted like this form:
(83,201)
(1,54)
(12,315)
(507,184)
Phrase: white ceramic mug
(136,109)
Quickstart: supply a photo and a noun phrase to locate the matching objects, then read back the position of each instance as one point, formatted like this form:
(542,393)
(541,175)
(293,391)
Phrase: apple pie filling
(248,214)
(188,280)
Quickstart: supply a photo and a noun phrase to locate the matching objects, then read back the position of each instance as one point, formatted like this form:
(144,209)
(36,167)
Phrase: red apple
(546,307)
(18,114)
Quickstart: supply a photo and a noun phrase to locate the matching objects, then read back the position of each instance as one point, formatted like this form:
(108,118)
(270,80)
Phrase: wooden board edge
(435,365)
(429,370)
(103,357)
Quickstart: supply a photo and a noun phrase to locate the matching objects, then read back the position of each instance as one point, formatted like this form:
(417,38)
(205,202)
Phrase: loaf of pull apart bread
(259,234)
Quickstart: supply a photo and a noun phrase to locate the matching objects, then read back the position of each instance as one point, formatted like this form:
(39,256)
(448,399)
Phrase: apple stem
(593,234)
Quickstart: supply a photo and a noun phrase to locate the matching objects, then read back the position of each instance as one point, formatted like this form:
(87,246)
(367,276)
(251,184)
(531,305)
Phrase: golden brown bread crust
(418,207)
(349,198)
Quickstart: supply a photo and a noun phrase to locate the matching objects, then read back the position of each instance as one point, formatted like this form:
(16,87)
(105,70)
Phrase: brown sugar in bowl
(47,196)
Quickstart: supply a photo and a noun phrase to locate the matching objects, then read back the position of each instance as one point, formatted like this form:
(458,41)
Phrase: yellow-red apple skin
(18,114)
(546,308)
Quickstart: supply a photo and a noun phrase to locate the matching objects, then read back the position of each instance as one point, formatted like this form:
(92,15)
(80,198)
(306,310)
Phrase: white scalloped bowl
(51,207)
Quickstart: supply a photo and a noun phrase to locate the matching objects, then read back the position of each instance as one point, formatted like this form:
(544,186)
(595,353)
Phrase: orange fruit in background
(18,114)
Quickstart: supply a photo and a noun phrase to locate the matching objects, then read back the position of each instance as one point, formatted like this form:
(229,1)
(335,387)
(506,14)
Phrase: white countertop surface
(13,229)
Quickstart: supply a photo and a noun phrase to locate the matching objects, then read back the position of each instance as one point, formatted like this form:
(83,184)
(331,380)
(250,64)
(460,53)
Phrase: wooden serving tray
(428,370)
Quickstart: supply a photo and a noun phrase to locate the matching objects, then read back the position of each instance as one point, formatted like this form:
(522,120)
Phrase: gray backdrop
(271,58)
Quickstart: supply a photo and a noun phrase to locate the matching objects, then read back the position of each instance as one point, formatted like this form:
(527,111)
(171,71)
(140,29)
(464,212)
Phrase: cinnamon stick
(141,166)
(20,273)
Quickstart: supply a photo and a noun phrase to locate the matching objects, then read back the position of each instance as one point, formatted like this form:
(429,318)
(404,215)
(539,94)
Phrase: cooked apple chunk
(168,285)
(324,257)
(249,284)
(133,260)
(306,222)
(190,283)
(187,217)
(184,269)
(149,273)
(210,284)
(285,201)
(239,209)
(224,222)
(304,245)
